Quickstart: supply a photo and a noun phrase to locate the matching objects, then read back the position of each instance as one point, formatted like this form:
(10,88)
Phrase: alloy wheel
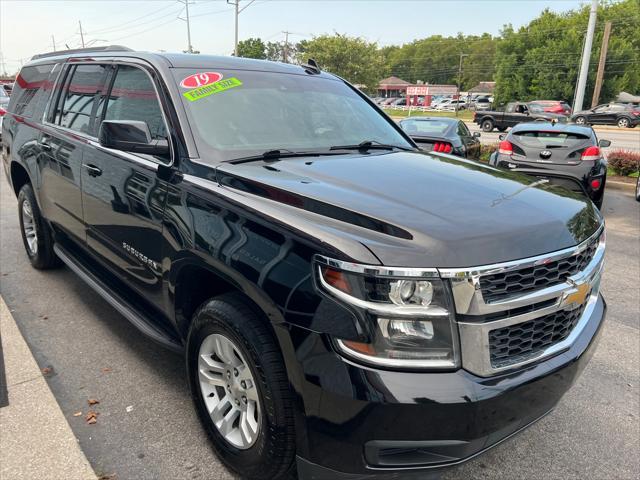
(229,391)
(623,123)
(29,227)
(580,120)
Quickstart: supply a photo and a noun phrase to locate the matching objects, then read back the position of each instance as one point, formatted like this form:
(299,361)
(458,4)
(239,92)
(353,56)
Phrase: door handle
(44,145)
(92,170)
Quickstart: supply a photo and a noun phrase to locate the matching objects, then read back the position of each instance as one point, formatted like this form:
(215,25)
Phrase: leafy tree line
(540,60)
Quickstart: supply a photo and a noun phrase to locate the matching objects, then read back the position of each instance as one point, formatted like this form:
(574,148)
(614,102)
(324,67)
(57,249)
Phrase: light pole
(186,8)
(462,55)
(239,10)
(586,56)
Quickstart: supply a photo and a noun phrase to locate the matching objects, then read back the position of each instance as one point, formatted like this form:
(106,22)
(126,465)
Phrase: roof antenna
(311,67)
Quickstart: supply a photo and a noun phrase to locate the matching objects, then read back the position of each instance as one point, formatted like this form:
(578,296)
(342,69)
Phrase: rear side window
(29,82)
(77,106)
(133,97)
(549,139)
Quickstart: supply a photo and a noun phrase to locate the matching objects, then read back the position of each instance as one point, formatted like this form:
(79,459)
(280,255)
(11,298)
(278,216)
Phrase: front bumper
(361,422)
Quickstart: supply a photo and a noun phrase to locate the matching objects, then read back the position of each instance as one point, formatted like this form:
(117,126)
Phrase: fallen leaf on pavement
(47,370)
(91,417)
(77,414)
(93,401)
(106,370)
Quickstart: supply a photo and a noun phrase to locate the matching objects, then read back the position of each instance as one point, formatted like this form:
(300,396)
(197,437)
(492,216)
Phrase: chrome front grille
(514,344)
(502,285)
(515,313)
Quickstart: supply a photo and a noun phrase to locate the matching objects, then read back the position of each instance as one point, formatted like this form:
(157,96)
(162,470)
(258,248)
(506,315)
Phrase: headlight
(413,325)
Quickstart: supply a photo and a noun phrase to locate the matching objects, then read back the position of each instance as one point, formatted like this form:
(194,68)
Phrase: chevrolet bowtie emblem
(579,296)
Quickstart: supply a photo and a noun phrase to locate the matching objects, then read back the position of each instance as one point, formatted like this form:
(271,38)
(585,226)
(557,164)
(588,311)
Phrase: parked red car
(554,106)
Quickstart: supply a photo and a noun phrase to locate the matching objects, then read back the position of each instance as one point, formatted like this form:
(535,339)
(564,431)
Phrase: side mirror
(502,136)
(131,136)
(476,134)
(604,143)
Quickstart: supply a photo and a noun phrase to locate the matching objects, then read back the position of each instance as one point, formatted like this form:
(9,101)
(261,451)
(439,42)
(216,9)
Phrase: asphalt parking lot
(147,428)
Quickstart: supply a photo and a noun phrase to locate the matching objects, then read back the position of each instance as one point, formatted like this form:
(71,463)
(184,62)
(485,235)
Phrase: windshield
(427,127)
(246,113)
(548,139)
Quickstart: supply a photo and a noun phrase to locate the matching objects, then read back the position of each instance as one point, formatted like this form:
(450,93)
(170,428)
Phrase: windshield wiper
(279,153)
(369,145)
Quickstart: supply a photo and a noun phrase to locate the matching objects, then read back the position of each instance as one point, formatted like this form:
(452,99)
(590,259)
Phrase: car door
(122,197)
(67,128)
(471,143)
(601,115)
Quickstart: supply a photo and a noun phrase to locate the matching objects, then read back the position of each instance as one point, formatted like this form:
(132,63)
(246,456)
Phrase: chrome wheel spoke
(229,391)
(29,227)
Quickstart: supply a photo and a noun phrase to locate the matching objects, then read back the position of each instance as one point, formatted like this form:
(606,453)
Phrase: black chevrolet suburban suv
(348,305)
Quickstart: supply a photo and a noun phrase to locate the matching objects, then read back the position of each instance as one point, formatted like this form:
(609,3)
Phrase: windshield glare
(263,111)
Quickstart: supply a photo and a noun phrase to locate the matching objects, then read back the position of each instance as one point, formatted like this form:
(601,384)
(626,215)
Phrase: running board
(139,320)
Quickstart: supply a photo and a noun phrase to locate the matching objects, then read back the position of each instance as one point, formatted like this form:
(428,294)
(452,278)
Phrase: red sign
(200,79)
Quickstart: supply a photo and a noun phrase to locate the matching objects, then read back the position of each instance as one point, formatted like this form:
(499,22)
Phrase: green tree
(353,58)
(542,59)
(252,48)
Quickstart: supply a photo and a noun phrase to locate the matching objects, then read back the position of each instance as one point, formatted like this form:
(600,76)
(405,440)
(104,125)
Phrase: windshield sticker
(221,86)
(200,79)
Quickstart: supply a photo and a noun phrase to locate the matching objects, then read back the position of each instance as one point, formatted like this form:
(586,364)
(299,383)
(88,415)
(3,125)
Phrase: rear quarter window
(29,82)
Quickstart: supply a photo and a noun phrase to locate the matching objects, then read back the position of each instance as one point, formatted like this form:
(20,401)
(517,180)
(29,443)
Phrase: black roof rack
(106,48)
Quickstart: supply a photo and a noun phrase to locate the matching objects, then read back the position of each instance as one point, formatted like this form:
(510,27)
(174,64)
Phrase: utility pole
(462,55)
(235,43)
(239,10)
(53,42)
(81,34)
(586,55)
(188,20)
(285,50)
(601,64)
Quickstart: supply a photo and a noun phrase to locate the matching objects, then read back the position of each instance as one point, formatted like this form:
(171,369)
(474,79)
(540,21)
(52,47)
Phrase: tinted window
(549,139)
(428,127)
(29,82)
(463,131)
(133,97)
(248,113)
(77,106)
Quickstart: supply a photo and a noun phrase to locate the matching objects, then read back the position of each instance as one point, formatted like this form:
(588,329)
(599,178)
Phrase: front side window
(76,110)
(248,113)
(133,97)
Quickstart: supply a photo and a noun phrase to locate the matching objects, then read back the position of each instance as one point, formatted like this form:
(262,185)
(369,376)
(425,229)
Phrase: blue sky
(26,26)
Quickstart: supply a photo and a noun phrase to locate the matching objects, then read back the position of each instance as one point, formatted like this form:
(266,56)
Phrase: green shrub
(624,162)
(486,150)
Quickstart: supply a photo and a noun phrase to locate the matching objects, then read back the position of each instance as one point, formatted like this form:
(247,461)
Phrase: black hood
(426,210)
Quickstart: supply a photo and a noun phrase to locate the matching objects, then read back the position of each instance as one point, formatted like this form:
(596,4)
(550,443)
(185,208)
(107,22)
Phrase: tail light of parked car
(2,112)
(443,147)
(505,148)
(590,153)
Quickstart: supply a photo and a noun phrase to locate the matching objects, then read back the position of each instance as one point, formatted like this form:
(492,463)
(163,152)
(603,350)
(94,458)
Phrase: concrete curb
(36,442)
(623,185)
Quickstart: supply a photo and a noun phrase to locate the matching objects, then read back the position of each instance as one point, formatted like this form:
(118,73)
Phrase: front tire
(240,388)
(580,120)
(638,189)
(36,235)
(487,125)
